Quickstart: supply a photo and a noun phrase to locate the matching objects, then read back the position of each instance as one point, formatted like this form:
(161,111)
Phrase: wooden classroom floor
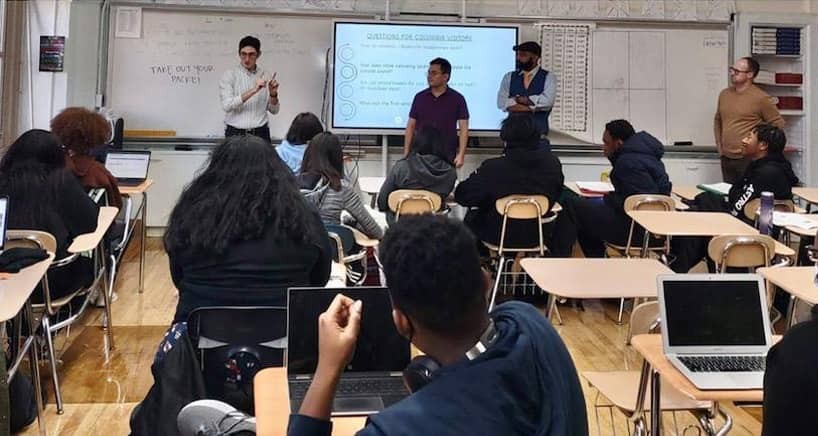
(100,392)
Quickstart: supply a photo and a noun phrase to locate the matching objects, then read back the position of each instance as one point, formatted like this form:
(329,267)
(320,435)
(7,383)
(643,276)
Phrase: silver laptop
(130,168)
(373,380)
(716,328)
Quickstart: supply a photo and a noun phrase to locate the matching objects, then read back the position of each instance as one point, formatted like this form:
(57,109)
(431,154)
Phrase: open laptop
(129,167)
(373,380)
(716,328)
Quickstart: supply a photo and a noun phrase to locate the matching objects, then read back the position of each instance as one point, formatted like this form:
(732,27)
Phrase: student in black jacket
(241,233)
(45,195)
(524,168)
(769,171)
(523,382)
(791,382)
(637,169)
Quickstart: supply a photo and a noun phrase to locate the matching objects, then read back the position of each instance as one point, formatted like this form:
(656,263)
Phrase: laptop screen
(713,313)
(380,348)
(128,165)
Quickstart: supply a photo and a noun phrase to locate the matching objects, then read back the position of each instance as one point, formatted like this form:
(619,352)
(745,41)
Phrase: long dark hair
(324,158)
(31,173)
(244,192)
(304,126)
(429,140)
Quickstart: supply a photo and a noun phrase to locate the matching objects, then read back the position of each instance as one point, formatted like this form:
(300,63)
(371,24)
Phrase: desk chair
(345,240)
(520,207)
(413,202)
(233,344)
(753,207)
(741,251)
(621,388)
(656,202)
(118,247)
(49,309)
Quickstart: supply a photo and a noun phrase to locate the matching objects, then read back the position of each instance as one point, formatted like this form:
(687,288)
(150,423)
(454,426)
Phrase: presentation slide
(380,67)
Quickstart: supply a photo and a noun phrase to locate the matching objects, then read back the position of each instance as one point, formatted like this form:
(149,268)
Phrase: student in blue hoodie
(637,169)
(524,383)
(291,150)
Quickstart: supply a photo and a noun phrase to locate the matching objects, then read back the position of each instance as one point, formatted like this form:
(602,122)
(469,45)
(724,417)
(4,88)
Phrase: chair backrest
(752,207)
(522,207)
(657,202)
(644,318)
(31,238)
(413,202)
(741,251)
(342,239)
(233,344)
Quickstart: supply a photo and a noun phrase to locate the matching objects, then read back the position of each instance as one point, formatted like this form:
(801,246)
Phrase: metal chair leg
(621,310)
(52,355)
(497,282)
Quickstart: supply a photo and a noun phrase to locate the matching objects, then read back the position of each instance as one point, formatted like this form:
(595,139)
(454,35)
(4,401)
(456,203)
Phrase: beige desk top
(273,406)
(15,290)
(686,192)
(650,346)
(801,231)
(138,189)
(596,278)
(89,241)
(573,187)
(796,280)
(809,195)
(371,185)
(698,224)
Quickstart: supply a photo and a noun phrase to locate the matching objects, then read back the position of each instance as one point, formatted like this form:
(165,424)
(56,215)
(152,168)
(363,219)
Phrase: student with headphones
(506,372)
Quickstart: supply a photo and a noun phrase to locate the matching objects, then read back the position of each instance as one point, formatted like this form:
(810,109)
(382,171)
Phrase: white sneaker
(213,418)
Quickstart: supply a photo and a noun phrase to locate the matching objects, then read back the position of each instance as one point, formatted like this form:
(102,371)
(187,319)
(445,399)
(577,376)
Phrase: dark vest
(534,88)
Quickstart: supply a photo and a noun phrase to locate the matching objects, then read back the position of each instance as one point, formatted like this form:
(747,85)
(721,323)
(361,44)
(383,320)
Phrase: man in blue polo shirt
(529,88)
(443,108)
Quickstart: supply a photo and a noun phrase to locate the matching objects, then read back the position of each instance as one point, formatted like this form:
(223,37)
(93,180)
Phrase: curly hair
(433,273)
(80,129)
(243,193)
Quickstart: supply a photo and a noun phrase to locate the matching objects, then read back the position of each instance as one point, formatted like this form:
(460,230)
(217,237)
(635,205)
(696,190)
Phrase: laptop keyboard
(723,363)
(387,386)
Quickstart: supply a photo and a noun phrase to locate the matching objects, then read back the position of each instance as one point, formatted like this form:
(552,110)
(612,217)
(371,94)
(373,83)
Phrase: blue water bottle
(765,214)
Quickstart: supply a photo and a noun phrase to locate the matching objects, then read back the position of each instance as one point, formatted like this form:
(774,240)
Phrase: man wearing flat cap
(528,89)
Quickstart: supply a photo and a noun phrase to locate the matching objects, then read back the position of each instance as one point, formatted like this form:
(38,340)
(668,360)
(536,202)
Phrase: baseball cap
(530,47)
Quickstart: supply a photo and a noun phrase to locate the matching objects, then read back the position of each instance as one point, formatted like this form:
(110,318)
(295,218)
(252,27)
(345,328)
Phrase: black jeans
(262,132)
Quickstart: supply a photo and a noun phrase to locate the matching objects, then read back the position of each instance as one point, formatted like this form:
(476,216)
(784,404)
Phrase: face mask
(525,66)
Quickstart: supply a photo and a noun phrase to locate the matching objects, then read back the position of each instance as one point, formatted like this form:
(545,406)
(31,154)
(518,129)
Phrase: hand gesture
(338,329)
(272,85)
(260,83)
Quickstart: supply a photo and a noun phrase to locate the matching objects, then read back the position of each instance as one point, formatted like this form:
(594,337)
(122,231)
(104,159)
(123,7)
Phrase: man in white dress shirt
(247,93)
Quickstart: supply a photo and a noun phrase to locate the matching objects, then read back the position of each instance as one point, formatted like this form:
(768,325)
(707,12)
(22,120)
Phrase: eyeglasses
(248,54)
(736,71)
(433,73)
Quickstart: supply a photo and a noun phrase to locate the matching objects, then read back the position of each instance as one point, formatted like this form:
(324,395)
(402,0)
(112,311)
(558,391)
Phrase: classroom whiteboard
(168,77)
(664,81)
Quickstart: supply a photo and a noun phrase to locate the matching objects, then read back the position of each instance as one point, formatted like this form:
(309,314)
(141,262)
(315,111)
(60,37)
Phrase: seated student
(769,170)
(637,169)
(81,130)
(322,182)
(241,233)
(791,382)
(524,168)
(524,383)
(426,167)
(44,195)
(291,150)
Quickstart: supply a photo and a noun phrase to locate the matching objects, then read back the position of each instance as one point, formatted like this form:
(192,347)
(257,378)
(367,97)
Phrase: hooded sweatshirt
(771,173)
(291,154)
(519,171)
(523,384)
(417,171)
(637,169)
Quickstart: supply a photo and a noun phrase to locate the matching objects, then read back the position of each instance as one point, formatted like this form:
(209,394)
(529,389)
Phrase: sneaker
(214,418)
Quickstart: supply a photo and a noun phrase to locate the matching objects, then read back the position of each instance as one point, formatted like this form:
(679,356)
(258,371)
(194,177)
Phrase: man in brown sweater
(740,108)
